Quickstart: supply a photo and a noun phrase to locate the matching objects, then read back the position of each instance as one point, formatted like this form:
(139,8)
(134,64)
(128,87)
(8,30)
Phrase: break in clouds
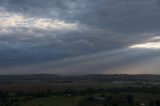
(79,36)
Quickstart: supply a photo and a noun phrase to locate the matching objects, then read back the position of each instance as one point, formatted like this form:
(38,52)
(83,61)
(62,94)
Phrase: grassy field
(82,101)
(54,101)
(79,92)
(75,85)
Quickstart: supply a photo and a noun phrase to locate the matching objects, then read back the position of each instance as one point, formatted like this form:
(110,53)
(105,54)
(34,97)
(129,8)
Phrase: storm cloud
(35,33)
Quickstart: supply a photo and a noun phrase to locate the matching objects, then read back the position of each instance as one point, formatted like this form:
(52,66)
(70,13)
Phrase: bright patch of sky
(148,45)
(11,20)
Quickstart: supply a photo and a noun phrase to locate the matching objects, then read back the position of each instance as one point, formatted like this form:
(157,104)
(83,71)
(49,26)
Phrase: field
(94,90)
(54,101)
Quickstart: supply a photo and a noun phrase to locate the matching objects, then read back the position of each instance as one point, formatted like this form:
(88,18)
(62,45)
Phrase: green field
(54,101)
(80,92)
(84,101)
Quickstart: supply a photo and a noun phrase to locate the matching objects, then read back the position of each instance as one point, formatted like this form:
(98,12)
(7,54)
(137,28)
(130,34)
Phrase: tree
(130,99)
(151,103)
(157,103)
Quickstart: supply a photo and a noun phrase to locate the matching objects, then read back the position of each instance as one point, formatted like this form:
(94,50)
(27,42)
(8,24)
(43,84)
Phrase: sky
(77,37)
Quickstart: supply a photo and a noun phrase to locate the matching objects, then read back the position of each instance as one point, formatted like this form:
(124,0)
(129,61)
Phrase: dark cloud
(117,15)
(125,16)
(103,26)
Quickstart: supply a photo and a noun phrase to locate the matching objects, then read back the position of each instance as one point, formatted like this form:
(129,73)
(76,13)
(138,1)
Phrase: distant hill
(96,77)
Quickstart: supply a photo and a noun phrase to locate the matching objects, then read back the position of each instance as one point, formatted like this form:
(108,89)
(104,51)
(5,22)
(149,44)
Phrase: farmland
(89,90)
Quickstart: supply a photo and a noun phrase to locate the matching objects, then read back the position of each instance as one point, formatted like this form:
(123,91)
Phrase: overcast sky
(74,37)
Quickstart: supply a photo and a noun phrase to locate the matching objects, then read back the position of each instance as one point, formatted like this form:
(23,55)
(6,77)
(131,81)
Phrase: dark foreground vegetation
(89,90)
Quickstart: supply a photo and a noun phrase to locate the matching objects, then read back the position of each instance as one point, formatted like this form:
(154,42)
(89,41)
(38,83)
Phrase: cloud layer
(43,31)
